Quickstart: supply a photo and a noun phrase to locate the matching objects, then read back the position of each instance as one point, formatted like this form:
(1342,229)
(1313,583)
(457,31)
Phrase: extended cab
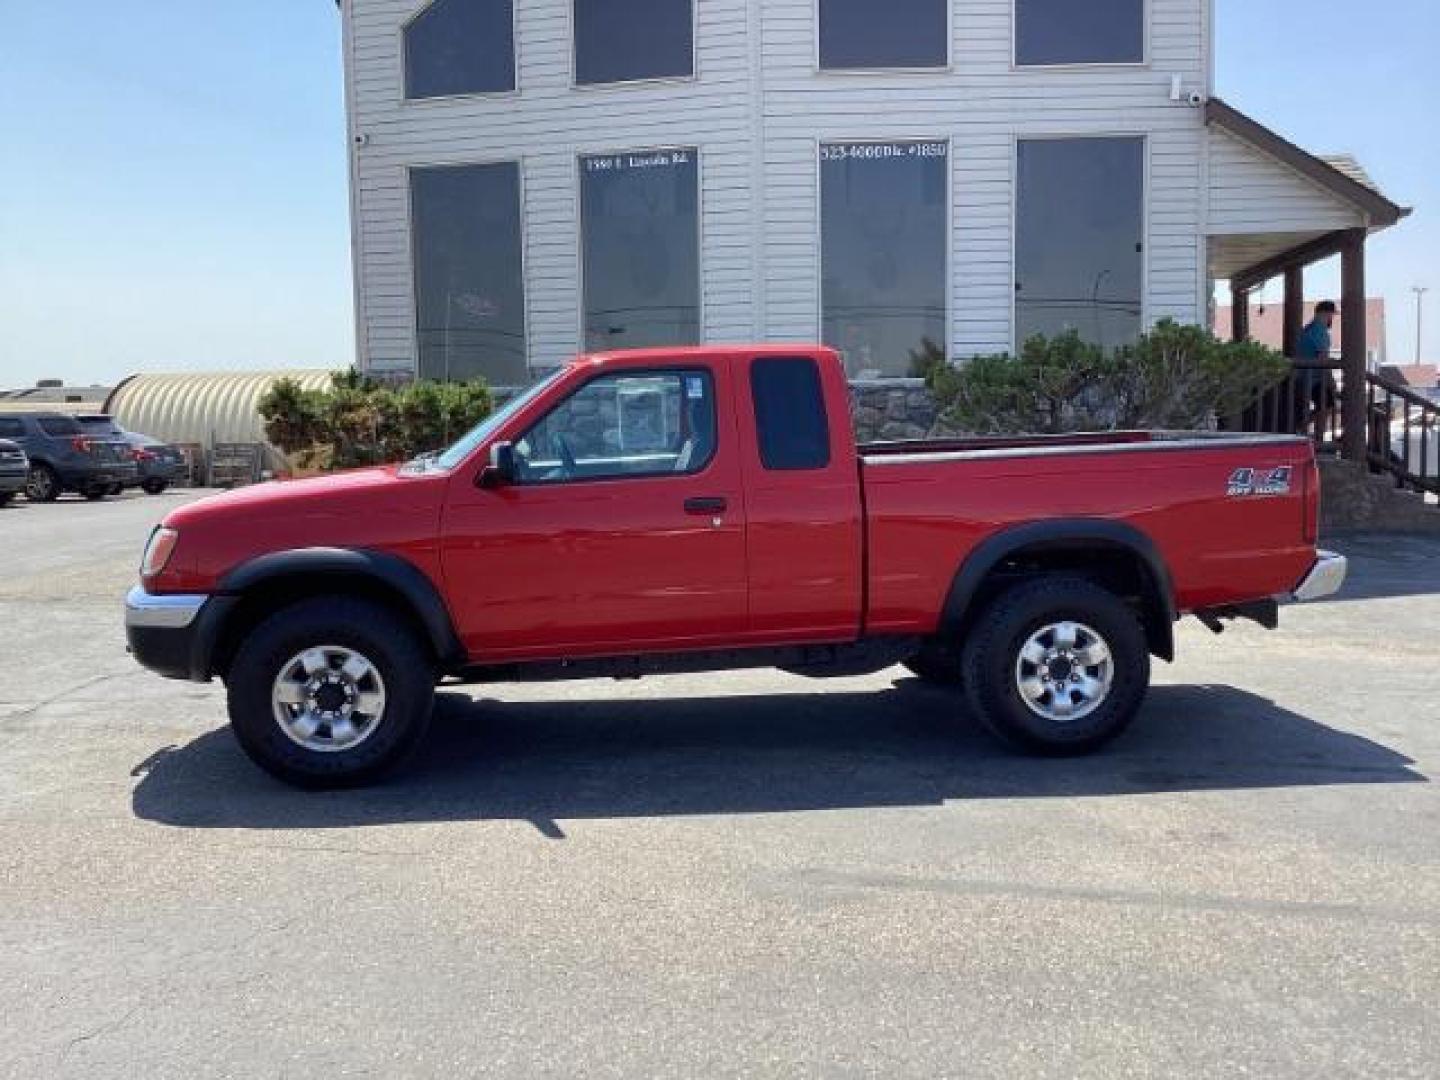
(707,508)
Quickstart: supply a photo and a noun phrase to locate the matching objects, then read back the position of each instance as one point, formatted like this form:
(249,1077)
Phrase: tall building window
(897,34)
(469,283)
(1080,236)
(460,47)
(882,251)
(1079,32)
(640,238)
(629,40)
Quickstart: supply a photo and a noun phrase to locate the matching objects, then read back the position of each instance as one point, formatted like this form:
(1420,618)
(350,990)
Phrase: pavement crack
(104,1029)
(31,710)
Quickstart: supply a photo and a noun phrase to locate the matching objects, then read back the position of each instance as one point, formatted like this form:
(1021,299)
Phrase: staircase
(1399,487)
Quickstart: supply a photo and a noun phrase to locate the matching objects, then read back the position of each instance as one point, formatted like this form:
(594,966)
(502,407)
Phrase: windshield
(461,448)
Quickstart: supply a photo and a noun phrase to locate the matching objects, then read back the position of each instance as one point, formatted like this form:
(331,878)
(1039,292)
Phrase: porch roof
(1273,203)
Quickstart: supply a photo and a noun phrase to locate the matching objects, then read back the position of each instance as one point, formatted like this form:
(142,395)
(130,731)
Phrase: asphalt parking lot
(748,874)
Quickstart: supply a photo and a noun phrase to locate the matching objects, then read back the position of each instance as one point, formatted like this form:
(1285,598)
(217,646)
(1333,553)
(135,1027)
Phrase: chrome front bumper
(170,611)
(1324,578)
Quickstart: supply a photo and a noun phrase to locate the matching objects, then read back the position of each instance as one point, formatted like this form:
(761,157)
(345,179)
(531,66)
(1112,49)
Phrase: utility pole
(1419,291)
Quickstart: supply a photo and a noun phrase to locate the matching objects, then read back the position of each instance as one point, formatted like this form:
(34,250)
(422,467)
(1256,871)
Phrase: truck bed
(1228,511)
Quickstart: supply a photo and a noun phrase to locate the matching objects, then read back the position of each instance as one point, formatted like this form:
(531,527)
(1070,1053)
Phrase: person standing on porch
(1315,387)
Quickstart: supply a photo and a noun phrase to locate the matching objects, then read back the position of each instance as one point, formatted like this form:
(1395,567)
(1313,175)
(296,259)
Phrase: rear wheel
(5,497)
(1057,666)
(330,692)
(42,485)
(154,485)
(96,492)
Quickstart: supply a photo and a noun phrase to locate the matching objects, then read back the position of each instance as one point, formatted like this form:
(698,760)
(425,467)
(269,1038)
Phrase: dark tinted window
(1079,245)
(61,426)
(624,40)
(11,429)
(896,34)
(98,425)
(630,424)
(882,246)
(640,237)
(790,414)
(460,47)
(1079,31)
(469,290)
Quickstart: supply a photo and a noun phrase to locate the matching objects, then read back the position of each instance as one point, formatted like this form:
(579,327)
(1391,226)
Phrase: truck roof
(672,353)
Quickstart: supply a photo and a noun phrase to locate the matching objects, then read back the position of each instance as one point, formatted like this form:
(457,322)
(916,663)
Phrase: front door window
(651,423)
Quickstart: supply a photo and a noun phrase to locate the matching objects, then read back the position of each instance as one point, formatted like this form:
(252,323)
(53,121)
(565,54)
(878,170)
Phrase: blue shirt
(1315,342)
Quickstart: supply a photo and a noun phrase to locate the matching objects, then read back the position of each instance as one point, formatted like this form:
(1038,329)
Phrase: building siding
(1251,192)
(756,110)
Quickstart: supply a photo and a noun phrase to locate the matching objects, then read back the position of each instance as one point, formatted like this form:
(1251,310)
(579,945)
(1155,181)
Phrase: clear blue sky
(173,188)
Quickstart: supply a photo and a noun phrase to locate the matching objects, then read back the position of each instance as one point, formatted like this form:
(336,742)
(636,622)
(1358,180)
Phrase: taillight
(142,455)
(80,444)
(158,551)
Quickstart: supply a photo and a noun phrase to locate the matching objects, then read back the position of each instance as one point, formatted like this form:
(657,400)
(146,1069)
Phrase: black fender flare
(398,575)
(1069,533)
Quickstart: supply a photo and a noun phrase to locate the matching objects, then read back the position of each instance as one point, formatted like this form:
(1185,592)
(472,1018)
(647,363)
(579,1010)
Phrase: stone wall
(892,409)
(1352,498)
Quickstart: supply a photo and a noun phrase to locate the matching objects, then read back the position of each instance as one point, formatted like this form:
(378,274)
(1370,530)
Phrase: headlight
(158,551)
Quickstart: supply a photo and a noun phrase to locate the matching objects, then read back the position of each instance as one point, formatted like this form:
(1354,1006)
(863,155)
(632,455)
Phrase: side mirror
(501,470)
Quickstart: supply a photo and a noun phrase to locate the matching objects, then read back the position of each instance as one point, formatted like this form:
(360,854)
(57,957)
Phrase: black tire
(42,485)
(386,640)
(938,665)
(96,492)
(992,656)
(5,497)
(154,485)
(116,489)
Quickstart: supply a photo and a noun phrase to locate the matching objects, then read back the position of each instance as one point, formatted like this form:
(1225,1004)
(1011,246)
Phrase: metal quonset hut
(202,408)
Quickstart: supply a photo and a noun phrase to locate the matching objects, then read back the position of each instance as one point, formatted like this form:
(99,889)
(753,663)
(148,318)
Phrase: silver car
(14,468)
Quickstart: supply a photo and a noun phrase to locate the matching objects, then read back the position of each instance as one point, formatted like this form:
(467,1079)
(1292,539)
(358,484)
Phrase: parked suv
(63,458)
(159,464)
(14,467)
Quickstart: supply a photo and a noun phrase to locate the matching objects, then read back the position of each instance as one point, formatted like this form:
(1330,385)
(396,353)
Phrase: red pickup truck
(696,509)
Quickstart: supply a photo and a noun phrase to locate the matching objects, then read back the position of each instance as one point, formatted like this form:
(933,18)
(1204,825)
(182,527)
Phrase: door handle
(705,504)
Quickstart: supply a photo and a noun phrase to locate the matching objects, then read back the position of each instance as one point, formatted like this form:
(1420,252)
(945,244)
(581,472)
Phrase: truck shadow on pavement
(545,762)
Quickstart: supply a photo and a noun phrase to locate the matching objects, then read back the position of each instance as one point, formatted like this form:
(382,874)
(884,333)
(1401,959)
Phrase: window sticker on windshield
(694,387)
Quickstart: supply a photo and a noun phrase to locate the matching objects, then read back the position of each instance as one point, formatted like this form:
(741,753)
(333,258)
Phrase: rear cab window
(791,424)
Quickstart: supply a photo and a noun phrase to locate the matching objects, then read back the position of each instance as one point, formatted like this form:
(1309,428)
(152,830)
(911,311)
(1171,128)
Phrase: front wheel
(1057,666)
(330,692)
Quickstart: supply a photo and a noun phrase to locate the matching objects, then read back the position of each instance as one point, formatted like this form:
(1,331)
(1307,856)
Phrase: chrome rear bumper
(1324,578)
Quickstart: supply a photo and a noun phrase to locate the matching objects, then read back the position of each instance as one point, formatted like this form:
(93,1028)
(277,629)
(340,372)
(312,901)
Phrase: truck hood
(380,489)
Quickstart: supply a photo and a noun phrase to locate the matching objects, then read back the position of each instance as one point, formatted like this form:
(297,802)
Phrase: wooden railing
(1410,450)
(1402,435)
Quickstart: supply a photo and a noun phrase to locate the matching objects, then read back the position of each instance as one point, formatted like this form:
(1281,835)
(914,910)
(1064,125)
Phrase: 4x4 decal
(1246,482)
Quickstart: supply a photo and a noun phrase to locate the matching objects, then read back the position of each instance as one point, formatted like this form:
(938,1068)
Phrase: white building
(534,177)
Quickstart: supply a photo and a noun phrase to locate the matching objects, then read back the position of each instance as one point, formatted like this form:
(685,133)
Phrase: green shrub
(1174,377)
(359,421)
